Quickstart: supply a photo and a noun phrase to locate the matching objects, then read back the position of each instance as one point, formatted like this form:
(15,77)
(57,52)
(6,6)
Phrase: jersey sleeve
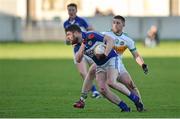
(76,48)
(65,24)
(85,23)
(99,36)
(103,33)
(131,45)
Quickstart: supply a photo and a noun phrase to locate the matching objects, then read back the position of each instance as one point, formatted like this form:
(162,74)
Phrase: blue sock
(93,88)
(134,98)
(123,106)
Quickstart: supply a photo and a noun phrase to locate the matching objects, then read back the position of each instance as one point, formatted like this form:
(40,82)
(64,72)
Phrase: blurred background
(42,20)
(39,79)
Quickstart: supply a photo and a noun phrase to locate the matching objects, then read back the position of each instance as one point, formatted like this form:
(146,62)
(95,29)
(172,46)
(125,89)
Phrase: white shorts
(111,63)
(121,67)
(85,58)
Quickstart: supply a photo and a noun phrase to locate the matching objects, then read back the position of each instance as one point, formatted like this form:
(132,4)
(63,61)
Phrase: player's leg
(87,86)
(107,93)
(122,88)
(90,77)
(83,70)
(104,89)
(126,79)
(88,82)
(112,74)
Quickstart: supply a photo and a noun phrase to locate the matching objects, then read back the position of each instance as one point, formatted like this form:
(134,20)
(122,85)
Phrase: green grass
(40,80)
(60,50)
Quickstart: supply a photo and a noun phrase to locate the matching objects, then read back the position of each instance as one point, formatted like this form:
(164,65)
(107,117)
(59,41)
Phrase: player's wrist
(144,65)
(106,54)
(84,41)
(145,68)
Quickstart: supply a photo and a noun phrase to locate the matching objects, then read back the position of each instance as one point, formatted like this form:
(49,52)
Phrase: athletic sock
(123,106)
(93,88)
(134,98)
(83,96)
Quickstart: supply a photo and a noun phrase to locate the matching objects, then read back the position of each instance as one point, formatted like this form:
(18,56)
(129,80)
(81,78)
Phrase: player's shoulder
(65,23)
(106,32)
(93,34)
(126,37)
(81,19)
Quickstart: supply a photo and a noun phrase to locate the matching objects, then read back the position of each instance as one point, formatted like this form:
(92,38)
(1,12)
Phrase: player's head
(118,23)
(72,10)
(73,34)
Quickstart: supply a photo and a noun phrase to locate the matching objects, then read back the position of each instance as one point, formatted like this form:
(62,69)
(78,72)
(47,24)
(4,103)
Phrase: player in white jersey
(123,42)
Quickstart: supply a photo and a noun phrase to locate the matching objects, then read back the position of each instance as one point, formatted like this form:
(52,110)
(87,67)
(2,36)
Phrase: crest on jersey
(90,43)
(90,36)
(122,43)
(116,41)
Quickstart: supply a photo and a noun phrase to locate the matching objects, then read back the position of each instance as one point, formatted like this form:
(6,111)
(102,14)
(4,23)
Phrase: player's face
(72,11)
(72,37)
(117,25)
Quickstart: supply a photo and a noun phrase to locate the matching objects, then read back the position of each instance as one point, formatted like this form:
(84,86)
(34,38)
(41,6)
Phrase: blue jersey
(82,23)
(92,40)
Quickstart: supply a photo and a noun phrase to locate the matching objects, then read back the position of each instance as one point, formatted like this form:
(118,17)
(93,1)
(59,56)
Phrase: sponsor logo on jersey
(90,36)
(90,43)
(116,41)
(122,43)
(120,49)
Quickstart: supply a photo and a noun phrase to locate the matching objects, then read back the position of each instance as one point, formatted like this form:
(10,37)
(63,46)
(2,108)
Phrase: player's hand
(84,41)
(101,56)
(145,68)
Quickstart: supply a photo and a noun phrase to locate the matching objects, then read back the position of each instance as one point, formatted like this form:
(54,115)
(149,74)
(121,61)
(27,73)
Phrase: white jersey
(122,42)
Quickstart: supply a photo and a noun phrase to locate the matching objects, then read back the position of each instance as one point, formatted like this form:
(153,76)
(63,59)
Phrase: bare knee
(130,85)
(103,91)
(83,75)
(92,70)
(110,83)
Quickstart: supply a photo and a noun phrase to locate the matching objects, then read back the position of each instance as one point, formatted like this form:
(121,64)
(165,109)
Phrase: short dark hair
(119,17)
(73,28)
(72,5)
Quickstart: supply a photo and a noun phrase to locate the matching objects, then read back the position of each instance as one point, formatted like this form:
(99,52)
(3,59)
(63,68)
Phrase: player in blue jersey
(74,19)
(106,65)
(83,24)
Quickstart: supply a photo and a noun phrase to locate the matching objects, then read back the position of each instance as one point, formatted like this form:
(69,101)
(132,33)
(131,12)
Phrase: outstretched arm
(140,61)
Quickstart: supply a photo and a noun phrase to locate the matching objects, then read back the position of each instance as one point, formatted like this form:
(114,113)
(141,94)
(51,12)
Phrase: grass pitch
(40,80)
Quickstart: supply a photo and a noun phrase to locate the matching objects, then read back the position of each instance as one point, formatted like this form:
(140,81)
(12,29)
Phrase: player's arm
(87,25)
(138,58)
(140,61)
(80,53)
(109,44)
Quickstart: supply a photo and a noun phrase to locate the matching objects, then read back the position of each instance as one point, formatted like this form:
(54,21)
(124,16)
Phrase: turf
(47,85)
